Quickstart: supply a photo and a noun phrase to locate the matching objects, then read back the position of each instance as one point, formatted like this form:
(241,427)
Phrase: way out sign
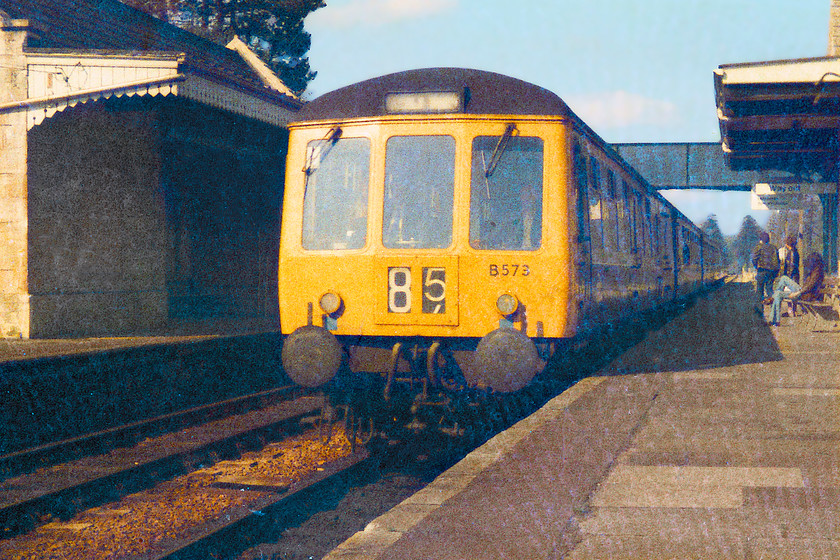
(783,196)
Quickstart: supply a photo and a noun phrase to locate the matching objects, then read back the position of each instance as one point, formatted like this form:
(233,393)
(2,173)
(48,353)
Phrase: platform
(61,389)
(14,349)
(18,349)
(717,437)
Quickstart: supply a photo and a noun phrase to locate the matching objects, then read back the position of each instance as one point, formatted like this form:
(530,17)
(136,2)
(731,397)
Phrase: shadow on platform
(722,328)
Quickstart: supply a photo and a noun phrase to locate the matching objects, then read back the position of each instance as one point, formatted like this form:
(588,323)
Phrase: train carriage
(463,218)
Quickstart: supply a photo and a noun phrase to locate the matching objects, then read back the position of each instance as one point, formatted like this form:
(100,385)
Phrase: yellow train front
(448,220)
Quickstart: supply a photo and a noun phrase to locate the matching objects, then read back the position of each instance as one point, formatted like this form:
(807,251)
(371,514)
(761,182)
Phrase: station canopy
(781,116)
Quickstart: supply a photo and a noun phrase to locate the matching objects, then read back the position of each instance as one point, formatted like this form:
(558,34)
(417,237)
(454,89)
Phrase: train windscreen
(419,192)
(506,193)
(335,203)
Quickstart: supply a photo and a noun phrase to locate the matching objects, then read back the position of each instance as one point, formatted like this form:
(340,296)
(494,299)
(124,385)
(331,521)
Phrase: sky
(634,70)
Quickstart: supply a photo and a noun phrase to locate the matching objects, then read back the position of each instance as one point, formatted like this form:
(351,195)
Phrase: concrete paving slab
(812,549)
(673,475)
(636,547)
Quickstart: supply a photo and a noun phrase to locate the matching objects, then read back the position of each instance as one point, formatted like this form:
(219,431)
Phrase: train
(454,228)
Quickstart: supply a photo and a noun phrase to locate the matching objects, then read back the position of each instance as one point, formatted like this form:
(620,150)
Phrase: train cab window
(335,202)
(506,193)
(419,192)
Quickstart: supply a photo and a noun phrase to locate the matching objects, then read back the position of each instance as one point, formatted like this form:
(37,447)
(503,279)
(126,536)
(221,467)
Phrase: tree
(160,9)
(271,28)
(746,239)
(711,231)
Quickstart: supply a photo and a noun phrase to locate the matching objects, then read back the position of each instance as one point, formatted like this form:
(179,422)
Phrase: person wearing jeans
(783,284)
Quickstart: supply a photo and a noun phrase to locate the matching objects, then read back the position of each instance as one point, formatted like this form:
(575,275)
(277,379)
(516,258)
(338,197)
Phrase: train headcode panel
(447,227)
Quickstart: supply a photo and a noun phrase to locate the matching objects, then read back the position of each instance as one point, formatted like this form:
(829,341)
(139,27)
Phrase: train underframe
(458,386)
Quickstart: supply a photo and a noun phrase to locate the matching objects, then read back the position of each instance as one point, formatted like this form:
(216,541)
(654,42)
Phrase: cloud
(377,12)
(618,109)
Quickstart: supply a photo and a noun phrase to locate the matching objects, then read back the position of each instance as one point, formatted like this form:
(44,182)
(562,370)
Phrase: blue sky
(634,70)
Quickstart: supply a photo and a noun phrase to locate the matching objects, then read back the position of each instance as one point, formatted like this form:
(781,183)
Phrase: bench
(822,316)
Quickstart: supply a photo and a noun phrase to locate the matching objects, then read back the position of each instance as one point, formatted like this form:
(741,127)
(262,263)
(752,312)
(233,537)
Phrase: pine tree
(746,239)
(711,231)
(271,28)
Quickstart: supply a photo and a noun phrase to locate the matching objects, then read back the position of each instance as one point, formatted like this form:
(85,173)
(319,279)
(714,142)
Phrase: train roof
(482,93)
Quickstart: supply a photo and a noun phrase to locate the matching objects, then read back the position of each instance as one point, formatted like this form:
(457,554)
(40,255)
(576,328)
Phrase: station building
(141,174)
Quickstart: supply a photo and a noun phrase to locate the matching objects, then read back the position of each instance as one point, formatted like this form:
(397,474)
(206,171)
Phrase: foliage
(271,28)
(746,239)
(711,231)
(158,8)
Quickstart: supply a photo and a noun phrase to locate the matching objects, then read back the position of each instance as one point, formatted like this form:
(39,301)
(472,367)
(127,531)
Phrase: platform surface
(18,349)
(14,349)
(717,437)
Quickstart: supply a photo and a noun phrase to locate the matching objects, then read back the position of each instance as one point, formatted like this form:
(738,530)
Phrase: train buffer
(715,437)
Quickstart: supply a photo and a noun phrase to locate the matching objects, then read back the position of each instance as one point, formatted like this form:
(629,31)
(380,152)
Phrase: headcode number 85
(399,290)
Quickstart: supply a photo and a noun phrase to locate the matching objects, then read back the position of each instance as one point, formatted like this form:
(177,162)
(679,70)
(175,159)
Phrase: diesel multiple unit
(450,219)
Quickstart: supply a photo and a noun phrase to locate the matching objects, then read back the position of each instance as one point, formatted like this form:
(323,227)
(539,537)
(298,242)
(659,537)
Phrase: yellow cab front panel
(415,226)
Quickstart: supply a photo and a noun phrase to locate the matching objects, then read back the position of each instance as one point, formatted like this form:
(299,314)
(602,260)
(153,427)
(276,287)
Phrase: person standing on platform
(765,259)
(789,259)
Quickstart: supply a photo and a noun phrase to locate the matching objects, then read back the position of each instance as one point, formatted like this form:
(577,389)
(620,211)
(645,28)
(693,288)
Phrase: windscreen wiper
(331,139)
(500,148)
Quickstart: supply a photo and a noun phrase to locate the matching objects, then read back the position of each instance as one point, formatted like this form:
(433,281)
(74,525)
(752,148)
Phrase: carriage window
(623,215)
(610,221)
(419,192)
(506,192)
(335,203)
(581,182)
(635,210)
(651,239)
(596,210)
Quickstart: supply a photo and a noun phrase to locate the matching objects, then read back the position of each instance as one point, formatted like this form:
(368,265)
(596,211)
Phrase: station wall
(152,217)
(96,226)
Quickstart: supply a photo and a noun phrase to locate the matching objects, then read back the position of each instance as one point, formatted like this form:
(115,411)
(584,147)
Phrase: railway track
(209,512)
(99,469)
(197,491)
(126,435)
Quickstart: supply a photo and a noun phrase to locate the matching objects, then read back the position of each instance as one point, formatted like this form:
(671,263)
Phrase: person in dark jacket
(765,259)
(814,277)
(789,258)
